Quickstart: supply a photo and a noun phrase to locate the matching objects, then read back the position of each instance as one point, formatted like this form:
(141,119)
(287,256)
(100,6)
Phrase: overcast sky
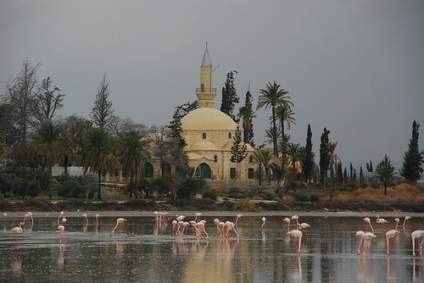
(354,67)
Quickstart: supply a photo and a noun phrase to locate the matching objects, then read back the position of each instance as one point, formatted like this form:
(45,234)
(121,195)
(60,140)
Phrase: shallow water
(149,252)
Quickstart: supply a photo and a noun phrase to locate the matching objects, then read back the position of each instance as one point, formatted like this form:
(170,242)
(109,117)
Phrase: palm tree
(262,158)
(385,172)
(285,115)
(294,151)
(272,96)
(246,114)
(133,153)
(98,155)
(47,143)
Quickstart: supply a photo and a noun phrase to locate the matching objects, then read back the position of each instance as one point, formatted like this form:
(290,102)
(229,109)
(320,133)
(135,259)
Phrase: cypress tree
(324,161)
(308,163)
(413,158)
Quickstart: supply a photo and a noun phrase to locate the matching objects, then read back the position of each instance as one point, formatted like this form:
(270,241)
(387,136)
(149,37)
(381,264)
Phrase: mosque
(209,134)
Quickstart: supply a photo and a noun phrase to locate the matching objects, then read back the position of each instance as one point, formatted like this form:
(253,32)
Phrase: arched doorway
(203,171)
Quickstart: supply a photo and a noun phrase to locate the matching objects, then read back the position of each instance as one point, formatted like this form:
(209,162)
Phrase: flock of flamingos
(227,228)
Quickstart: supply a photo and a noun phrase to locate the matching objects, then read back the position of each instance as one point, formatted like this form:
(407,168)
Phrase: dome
(203,145)
(209,119)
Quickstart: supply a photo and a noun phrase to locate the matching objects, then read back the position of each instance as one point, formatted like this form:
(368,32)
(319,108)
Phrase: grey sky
(355,67)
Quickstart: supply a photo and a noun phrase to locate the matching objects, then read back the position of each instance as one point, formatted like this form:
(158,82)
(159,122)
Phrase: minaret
(206,93)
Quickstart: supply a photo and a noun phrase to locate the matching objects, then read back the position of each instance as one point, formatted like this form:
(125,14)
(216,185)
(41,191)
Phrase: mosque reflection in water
(152,251)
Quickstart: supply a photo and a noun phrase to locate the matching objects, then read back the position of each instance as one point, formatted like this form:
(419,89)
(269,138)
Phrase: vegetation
(413,158)
(229,96)
(33,140)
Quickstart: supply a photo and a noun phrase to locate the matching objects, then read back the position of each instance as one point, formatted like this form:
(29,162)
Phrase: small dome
(203,145)
(209,119)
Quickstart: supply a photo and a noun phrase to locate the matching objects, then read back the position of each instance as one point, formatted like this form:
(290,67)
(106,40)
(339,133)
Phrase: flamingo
(18,230)
(200,228)
(367,238)
(230,227)
(61,214)
(390,235)
(174,225)
(84,215)
(119,221)
(407,218)
(295,218)
(238,218)
(198,214)
(287,220)
(305,226)
(216,222)
(263,222)
(367,220)
(360,235)
(397,220)
(28,216)
(381,221)
(221,227)
(61,229)
(296,234)
(417,234)
(64,221)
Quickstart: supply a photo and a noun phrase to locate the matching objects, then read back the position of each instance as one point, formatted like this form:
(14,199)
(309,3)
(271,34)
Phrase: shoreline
(189,213)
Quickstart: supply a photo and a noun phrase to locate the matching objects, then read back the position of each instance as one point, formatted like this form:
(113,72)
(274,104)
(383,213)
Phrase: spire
(206,59)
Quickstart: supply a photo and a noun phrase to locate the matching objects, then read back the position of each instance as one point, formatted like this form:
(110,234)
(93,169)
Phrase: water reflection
(148,250)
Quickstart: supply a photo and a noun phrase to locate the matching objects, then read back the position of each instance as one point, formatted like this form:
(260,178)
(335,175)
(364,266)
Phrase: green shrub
(210,194)
(302,197)
(244,205)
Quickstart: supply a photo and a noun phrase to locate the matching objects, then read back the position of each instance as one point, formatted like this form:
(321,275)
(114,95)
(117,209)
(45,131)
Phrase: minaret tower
(206,93)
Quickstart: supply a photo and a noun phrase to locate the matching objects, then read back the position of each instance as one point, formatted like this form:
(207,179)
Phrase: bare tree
(47,100)
(102,112)
(20,96)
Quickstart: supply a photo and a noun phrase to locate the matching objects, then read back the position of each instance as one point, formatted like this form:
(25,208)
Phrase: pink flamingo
(119,221)
(381,221)
(216,222)
(238,218)
(295,218)
(61,229)
(397,220)
(367,238)
(360,235)
(367,220)
(296,234)
(60,216)
(197,218)
(18,230)
(407,218)
(417,234)
(221,228)
(390,235)
(200,228)
(304,226)
(287,220)
(230,227)
(28,216)
(174,225)
(263,222)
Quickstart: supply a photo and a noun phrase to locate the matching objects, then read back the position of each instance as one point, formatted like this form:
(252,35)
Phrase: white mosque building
(209,134)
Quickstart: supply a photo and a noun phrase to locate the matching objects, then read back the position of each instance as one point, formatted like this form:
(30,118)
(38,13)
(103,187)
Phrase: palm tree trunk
(274,138)
(99,192)
(50,183)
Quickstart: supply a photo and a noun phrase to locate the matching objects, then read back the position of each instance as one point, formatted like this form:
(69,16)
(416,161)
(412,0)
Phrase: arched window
(202,88)
(148,170)
(204,136)
(203,171)
(230,135)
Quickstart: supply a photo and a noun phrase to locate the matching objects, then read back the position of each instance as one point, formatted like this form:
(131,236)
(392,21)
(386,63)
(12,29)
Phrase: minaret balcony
(200,90)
